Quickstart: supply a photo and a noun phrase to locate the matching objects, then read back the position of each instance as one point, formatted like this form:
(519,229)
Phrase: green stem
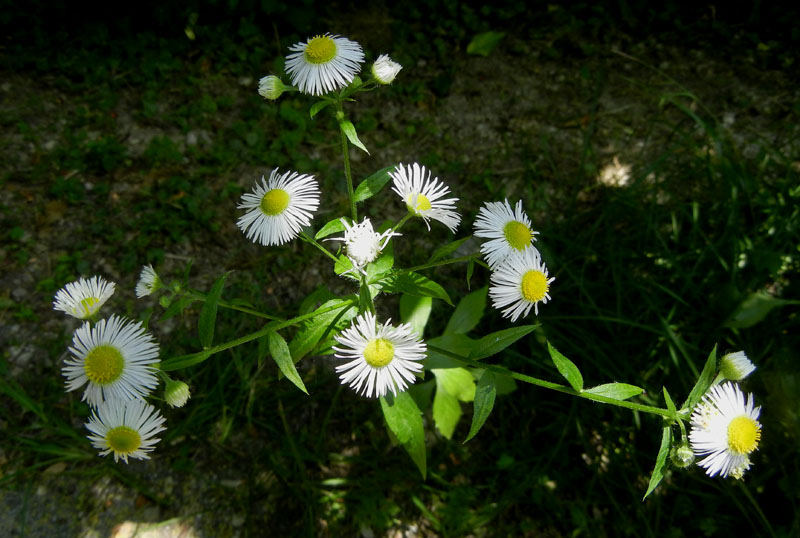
(439,263)
(555,386)
(202,297)
(401,222)
(308,239)
(346,155)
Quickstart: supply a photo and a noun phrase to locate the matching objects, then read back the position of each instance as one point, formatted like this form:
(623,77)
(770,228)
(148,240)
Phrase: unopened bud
(682,456)
(385,70)
(176,393)
(271,87)
(736,366)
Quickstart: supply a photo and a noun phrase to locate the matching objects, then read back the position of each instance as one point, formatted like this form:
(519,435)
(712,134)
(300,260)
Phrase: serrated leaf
(415,284)
(566,368)
(208,314)
(176,307)
(703,382)
(415,311)
(485,394)
(617,391)
(446,412)
(754,309)
(283,358)
(661,460)
(485,43)
(349,130)
(468,313)
(498,341)
(373,184)
(184,361)
(446,250)
(404,419)
(317,107)
(458,382)
(331,227)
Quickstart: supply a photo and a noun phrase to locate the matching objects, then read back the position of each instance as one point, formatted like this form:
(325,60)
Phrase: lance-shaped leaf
(349,130)
(446,250)
(661,460)
(404,419)
(754,309)
(446,412)
(317,107)
(414,284)
(176,307)
(485,394)
(317,327)
(184,361)
(280,354)
(331,227)
(208,314)
(373,184)
(498,341)
(617,391)
(703,382)
(566,368)
(483,44)
(468,312)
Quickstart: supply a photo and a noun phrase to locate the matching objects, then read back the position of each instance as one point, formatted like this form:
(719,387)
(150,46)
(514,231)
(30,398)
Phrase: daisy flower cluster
(114,360)
(519,279)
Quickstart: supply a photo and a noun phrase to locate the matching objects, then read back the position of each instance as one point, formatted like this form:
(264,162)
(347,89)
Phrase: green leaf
(177,307)
(485,394)
(415,311)
(483,44)
(468,312)
(498,341)
(317,327)
(415,284)
(343,265)
(208,314)
(331,227)
(617,391)
(455,343)
(404,419)
(373,184)
(661,460)
(317,107)
(470,270)
(566,368)
(754,309)
(668,399)
(458,382)
(703,382)
(446,250)
(184,361)
(350,131)
(280,354)
(446,412)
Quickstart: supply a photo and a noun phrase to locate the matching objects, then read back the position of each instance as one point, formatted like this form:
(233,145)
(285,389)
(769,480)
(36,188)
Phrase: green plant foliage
(404,420)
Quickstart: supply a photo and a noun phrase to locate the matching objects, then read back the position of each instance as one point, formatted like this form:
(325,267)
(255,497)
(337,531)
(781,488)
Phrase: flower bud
(682,456)
(271,87)
(384,69)
(176,393)
(736,366)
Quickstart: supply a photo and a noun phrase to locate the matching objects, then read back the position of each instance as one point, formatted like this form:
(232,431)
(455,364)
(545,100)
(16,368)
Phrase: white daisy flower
(271,87)
(422,196)
(362,243)
(736,366)
(509,231)
(125,428)
(521,283)
(278,208)
(114,359)
(382,358)
(324,63)
(82,299)
(385,70)
(725,430)
(148,282)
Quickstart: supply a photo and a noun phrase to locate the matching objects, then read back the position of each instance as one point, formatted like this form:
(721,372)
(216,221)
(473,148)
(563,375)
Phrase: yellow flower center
(423,204)
(379,352)
(743,435)
(275,202)
(88,303)
(534,286)
(123,440)
(320,50)
(517,234)
(103,364)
